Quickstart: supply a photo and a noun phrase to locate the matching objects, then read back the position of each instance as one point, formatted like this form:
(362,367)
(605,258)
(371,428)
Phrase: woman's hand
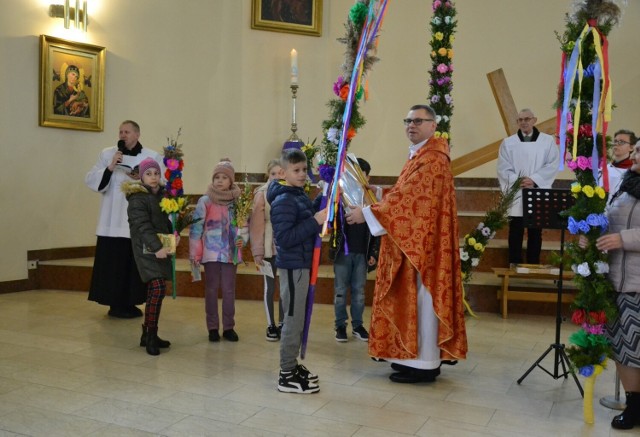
(239,242)
(583,242)
(609,242)
(259,260)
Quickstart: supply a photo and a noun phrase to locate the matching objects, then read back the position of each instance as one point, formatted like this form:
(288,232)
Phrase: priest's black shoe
(406,369)
(121,313)
(414,376)
(134,311)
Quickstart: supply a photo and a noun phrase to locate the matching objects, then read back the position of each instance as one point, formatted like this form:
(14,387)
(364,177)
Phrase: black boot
(630,417)
(162,344)
(152,341)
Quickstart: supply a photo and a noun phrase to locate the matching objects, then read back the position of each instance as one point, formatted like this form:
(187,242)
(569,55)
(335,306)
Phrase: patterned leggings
(155,293)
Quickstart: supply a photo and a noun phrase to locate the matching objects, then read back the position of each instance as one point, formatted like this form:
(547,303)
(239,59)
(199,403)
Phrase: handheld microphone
(121,145)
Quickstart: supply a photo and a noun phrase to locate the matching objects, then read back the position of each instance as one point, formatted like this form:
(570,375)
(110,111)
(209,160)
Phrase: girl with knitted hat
(212,242)
(146,221)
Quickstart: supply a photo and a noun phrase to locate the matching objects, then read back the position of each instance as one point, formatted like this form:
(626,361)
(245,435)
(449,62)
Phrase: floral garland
(443,26)
(476,241)
(332,126)
(585,115)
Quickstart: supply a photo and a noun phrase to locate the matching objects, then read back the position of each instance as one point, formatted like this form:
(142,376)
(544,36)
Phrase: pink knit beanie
(225,167)
(147,164)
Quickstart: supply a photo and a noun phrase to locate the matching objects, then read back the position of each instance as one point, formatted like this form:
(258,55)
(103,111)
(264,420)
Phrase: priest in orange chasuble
(417,319)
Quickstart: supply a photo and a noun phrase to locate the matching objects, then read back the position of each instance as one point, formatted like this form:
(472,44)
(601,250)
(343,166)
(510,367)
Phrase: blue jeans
(350,271)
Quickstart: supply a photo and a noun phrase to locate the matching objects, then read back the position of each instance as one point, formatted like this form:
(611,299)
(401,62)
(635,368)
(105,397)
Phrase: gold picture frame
(71,84)
(290,16)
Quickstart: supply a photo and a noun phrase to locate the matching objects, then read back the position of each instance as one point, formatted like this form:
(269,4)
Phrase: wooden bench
(505,293)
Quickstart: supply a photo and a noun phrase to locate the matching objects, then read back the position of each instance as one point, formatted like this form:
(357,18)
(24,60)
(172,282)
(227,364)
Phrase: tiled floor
(66,369)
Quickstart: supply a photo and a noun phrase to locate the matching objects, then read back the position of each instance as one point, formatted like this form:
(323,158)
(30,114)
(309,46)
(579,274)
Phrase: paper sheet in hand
(196,275)
(168,242)
(129,164)
(266,269)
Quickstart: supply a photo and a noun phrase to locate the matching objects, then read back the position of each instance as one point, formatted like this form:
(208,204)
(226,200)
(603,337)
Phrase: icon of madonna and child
(69,98)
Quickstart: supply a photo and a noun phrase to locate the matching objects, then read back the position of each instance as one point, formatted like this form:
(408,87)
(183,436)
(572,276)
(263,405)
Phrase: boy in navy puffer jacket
(295,227)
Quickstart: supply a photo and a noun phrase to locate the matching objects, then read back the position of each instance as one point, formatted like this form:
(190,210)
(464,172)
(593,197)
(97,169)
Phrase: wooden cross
(509,114)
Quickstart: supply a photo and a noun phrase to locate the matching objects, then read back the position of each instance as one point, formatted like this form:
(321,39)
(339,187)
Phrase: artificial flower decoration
(584,100)
(476,241)
(310,149)
(332,126)
(443,25)
(174,203)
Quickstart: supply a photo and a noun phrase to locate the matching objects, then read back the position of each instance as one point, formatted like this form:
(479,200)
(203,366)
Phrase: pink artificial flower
(173,164)
(442,68)
(585,130)
(593,329)
(572,164)
(337,85)
(436,4)
(584,162)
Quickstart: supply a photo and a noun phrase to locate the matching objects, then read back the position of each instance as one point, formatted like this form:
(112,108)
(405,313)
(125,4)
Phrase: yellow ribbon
(587,402)
(606,98)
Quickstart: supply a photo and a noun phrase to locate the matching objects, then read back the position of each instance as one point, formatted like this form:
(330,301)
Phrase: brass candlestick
(294,126)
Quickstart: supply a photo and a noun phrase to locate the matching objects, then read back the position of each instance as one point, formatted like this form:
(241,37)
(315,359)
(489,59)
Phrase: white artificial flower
(601,267)
(438,119)
(583,269)
(333,135)
(475,262)
(447,19)
(574,268)
(486,231)
(480,226)
(464,255)
(493,234)
(437,21)
(445,118)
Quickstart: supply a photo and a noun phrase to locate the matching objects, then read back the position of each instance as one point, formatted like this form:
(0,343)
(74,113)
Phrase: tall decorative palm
(584,110)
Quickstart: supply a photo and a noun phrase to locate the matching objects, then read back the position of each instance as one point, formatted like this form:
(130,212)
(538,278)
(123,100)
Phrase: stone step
(75,274)
(472,201)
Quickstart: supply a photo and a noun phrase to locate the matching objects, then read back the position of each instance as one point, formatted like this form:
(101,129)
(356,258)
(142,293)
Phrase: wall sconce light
(65,11)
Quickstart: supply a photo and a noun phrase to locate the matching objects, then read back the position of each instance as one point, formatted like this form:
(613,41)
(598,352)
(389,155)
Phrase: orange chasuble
(420,216)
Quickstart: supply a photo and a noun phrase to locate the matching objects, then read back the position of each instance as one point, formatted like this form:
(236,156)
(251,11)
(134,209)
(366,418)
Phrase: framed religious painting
(291,16)
(71,84)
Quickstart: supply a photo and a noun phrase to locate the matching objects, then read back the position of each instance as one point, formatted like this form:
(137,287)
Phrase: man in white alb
(533,155)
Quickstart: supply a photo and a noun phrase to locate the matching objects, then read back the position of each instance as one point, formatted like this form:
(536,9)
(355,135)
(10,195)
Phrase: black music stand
(541,208)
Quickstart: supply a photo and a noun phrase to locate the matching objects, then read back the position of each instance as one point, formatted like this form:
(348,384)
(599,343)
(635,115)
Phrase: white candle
(294,67)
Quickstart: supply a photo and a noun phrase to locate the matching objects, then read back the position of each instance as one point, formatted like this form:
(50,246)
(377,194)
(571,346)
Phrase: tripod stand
(541,209)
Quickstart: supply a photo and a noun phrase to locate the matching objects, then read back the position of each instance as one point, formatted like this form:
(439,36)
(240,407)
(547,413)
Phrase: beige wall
(196,64)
